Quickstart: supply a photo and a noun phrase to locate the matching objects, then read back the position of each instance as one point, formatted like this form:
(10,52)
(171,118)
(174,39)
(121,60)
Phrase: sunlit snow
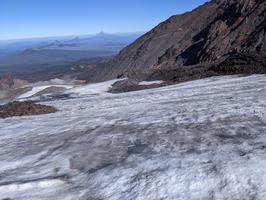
(203,139)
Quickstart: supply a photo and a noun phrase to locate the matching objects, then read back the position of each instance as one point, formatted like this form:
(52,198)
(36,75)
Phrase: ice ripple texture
(200,140)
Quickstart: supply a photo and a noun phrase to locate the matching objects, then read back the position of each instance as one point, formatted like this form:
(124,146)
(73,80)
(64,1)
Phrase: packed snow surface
(93,89)
(200,140)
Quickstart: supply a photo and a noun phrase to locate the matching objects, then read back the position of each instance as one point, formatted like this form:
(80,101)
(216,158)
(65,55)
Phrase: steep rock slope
(220,32)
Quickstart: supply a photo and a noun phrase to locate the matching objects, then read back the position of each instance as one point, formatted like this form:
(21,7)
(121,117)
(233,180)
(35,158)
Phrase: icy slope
(204,139)
(71,89)
(37,89)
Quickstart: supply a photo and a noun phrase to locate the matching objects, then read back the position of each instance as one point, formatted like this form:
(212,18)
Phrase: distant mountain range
(100,41)
(31,55)
(219,37)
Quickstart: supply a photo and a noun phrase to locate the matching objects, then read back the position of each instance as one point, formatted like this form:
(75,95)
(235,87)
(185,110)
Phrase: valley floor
(204,139)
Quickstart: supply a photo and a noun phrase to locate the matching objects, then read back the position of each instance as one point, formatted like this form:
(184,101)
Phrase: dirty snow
(204,139)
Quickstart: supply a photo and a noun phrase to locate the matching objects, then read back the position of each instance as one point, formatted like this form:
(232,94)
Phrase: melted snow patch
(150,82)
(37,89)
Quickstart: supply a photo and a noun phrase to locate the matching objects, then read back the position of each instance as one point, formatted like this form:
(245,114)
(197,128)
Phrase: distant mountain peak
(102,33)
(30,51)
(56,43)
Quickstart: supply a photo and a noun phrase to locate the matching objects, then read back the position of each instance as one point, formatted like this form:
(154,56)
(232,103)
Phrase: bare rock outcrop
(17,108)
(11,87)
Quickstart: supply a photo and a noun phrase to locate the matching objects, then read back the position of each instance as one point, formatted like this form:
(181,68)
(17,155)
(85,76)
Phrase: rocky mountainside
(219,37)
(8,82)
(11,87)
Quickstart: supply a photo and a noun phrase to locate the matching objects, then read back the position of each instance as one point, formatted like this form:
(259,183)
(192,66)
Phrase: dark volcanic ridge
(25,108)
(130,85)
(218,38)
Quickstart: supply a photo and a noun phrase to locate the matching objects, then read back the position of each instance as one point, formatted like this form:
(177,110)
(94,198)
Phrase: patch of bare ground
(25,108)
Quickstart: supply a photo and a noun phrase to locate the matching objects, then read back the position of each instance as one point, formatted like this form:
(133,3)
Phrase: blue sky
(42,18)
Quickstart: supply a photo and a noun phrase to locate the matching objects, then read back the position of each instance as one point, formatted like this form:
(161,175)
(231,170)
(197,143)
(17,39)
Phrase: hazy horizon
(68,36)
(43,19)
